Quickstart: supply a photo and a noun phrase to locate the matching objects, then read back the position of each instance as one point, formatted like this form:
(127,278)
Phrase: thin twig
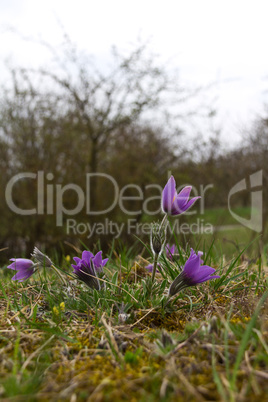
(135,323)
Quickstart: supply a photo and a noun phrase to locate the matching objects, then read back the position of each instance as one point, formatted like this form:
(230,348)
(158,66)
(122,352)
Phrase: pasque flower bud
(158,237)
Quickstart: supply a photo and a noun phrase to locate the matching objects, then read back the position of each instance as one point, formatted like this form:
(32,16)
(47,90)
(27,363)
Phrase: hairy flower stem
(162,224)
(156,255)
(59,275)
(155,265)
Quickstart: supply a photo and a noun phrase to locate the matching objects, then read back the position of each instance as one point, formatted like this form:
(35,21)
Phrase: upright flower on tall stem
(173,203)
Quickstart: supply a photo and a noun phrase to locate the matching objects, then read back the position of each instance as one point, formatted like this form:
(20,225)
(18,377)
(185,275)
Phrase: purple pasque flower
(173,203)
(150,267)
(25,268)
(192,273)
(171,251)
(89,268)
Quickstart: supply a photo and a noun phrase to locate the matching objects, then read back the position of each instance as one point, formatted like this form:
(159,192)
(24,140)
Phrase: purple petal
(208,268)
(12,266)
(23,275)
(193,269)
(168,252)
(104,262)
(184,194)
(168,195)
(150,267)
(171,250)
(200,254)
(191,202)
(87,255)
(179,206)
(192,265)
(168,247)
(203,273)
(210,277)
(77,260)
(20,263)
(97,260)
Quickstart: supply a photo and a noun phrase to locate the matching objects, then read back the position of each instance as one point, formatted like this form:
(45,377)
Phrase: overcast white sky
(206,40)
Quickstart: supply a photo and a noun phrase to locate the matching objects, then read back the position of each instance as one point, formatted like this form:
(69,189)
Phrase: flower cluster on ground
(90,268)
